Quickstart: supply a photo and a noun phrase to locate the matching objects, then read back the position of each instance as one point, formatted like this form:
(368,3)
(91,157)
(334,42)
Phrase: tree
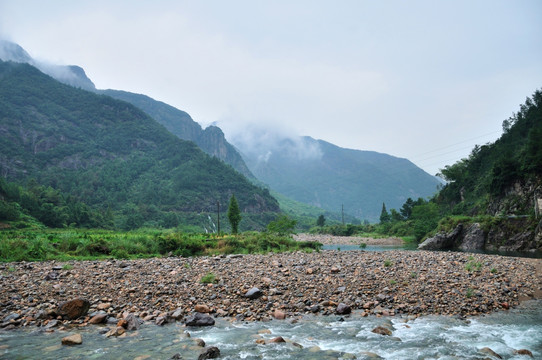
(384,215)
(282,225)
(406,210)
(321,221)
(234,214)
(396,216)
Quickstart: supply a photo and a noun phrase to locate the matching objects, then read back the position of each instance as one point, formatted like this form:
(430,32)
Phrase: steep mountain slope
(211,139)
(109,154)
(322,174)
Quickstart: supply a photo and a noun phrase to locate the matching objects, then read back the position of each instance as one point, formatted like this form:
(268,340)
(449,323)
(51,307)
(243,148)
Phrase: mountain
(109,154)
(322,174)
(211,139)
(71,75)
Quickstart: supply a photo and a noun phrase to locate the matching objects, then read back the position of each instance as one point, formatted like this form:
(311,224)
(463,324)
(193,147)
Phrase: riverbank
(326,239)
(289,284)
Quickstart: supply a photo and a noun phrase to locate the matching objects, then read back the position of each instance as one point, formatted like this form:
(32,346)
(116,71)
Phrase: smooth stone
(75,339)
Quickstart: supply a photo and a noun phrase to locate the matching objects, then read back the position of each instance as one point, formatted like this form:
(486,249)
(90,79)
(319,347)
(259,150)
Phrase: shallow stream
(316,337)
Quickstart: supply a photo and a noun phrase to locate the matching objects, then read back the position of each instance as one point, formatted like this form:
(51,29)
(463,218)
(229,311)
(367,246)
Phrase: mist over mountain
(322,174)
(211,139)
(68,74)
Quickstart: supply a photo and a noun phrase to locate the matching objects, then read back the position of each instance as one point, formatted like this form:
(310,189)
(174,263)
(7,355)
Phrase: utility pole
(218,217)
(342,212)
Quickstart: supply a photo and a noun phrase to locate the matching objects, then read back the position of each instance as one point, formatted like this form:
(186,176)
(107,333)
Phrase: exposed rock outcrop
(502,234)
(442,241)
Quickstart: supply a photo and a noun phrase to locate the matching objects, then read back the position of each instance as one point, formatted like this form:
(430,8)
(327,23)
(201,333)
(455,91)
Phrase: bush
(209,278)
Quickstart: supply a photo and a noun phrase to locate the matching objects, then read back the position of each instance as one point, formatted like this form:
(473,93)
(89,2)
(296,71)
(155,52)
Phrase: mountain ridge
(332,177)
(108,153)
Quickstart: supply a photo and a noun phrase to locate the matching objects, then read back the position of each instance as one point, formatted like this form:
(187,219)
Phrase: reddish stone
(73,309)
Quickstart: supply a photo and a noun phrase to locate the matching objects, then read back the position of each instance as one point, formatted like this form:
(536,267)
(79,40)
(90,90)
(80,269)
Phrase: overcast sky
(423,80)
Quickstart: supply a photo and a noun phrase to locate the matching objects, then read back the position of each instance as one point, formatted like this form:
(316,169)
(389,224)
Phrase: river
(315,337)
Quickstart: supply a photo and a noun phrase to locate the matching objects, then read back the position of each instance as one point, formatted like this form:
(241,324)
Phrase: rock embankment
(163,290)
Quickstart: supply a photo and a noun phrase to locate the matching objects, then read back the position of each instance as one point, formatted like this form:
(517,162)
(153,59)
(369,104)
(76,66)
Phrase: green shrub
(209,278)
(388,263)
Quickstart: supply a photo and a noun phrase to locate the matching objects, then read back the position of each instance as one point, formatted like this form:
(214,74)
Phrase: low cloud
(262,143)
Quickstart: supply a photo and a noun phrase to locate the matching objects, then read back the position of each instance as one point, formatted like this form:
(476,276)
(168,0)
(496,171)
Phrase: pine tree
(321,221)
(234,214)
(384,215)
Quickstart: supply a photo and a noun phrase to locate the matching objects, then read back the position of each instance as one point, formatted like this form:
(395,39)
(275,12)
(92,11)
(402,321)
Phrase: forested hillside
(108,154)
(492,179)
(211,140)
(324,175)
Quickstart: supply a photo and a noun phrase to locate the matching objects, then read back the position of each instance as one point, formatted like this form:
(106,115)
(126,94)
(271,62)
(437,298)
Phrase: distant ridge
(322,174)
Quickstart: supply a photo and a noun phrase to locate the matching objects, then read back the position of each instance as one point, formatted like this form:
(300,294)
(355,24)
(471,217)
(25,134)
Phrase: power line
(458,143)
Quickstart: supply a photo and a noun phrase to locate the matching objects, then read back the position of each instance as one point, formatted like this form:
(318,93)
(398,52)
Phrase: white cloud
(395,77)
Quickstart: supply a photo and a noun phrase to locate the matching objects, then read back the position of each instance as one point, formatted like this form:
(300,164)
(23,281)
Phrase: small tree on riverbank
(321,221)
(384,215)
(234,214)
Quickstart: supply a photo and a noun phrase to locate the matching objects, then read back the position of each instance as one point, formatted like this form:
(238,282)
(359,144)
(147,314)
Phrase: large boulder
(211,352)
(199,319)
(132,322)
(253,293)
(75,339)
(73,309)
(474,238)
(442,241)
(343,309)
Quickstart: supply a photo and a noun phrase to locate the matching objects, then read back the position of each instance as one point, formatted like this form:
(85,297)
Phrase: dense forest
(111,157)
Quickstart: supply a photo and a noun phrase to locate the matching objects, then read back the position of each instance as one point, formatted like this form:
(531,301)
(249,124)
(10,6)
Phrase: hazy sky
(424,80)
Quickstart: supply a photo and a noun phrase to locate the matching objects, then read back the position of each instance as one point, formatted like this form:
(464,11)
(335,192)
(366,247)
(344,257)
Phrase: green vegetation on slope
(108,154)
(516,157)
(319,173)
(211,140)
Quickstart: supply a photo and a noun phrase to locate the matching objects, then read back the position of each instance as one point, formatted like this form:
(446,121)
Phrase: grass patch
(388,263)
(208,278)
(473,265)
(81,244)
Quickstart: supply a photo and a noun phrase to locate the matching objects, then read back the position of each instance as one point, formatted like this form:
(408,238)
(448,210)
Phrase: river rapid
(310,337)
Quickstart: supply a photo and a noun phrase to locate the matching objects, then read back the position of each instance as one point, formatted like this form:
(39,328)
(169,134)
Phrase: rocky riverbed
(347,240)
(262,287)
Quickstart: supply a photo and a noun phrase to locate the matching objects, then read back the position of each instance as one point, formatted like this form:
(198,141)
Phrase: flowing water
(313,337)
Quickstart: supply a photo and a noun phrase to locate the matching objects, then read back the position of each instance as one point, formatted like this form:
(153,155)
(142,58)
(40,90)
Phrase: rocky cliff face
(516,226)
(501,234)
(520,198)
